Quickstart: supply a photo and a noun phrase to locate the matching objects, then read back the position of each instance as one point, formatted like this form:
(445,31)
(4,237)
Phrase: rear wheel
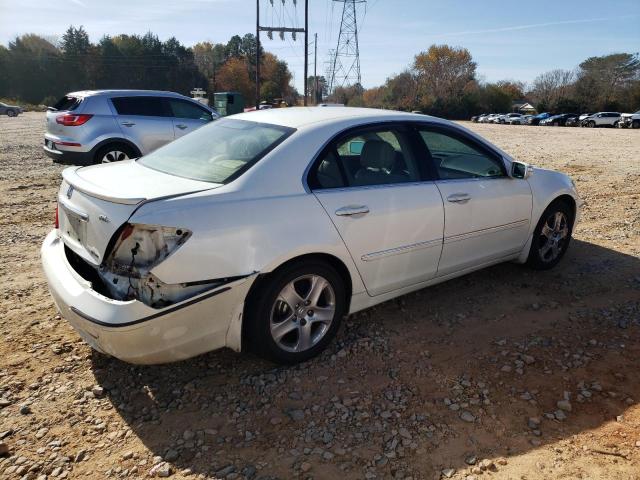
(296,312)
(551,237)
(11,113)
(591,124)
(114,152)
(635,124)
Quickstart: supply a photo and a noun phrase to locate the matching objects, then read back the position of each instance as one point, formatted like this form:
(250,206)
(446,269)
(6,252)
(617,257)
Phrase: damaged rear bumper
(136,333)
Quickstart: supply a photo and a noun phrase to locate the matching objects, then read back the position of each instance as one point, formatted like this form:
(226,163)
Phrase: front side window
(373,157)
(218,152)
(456,158)
(141,106)
(184,109)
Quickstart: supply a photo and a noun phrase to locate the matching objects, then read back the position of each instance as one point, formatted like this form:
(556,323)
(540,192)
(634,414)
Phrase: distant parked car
(572,122)
(558,120)
(602,119)
(630,120)
(10,110)
(488,118)
(476,118)
(103,126)
(511,118)
(536,119)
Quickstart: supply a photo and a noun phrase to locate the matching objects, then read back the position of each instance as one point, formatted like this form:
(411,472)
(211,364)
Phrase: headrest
(377,154)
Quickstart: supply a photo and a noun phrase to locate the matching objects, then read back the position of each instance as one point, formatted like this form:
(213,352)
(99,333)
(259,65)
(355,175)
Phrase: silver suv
(102,126)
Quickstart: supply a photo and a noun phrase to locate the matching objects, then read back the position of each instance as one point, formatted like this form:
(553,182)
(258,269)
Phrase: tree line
(37,70)
(443,81)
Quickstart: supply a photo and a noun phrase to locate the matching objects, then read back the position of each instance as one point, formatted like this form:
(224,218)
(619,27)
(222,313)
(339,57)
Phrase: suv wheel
(11,113)
(591,124)
(635,124)
(296,312)
(114,152)
(551,237)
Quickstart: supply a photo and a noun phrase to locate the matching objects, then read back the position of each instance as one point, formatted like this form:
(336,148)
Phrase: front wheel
(11,113)
(296,312)
(551,237)
(635,124)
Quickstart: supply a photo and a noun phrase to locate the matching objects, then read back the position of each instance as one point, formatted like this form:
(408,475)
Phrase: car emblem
(70,192)
(103,218)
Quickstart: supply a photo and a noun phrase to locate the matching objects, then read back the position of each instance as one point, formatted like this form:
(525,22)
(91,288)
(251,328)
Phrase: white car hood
(96,201)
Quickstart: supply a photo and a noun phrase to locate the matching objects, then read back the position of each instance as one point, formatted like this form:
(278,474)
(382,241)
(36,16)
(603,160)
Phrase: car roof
(296,117)
(131,93)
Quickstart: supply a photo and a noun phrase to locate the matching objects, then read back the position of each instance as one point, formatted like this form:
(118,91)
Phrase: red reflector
(57,221)
(126,231)
(70,120)
(68,144)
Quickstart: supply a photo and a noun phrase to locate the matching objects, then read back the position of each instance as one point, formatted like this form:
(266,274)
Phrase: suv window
(144,106)
(375,157)
(67,103)
(455,157)
(184,109)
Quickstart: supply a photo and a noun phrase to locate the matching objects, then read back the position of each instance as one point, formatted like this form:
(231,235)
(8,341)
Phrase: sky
(507,39)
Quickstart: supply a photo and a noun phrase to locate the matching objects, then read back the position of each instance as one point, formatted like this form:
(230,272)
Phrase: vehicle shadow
(411,387)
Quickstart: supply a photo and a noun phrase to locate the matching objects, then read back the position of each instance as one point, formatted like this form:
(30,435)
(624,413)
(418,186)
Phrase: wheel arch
(115,140)
(327,258)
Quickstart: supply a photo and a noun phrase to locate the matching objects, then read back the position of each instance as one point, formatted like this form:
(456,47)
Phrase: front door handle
(352,210)
(128,124)
(459,198)
(181,126)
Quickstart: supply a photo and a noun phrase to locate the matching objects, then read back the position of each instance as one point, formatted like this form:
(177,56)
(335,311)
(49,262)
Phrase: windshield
(219,152)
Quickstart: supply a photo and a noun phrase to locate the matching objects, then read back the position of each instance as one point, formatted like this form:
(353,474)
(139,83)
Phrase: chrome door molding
(485,231)
(400,250)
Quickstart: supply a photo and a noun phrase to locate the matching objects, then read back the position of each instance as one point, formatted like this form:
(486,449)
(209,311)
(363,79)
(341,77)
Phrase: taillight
(56,222)
(70,120)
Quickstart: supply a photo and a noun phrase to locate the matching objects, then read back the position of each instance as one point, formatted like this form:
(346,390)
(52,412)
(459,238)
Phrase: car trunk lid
(94,202)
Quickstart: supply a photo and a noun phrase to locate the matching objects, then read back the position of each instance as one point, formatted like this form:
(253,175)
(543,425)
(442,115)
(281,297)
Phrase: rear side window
(184,109)
(67,103)
(143,106)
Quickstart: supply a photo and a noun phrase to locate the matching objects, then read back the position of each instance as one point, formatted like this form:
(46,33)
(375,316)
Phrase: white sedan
(262,230)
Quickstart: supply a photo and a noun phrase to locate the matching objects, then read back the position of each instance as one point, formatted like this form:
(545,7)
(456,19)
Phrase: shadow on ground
(411,387)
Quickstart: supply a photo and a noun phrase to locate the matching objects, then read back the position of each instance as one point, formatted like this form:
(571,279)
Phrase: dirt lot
(461,380)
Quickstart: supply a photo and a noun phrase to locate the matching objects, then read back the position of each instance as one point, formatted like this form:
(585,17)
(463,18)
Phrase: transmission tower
(345,67)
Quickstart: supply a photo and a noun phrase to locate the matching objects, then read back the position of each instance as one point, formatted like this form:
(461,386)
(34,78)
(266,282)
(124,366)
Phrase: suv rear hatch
(94,202)
(68,103)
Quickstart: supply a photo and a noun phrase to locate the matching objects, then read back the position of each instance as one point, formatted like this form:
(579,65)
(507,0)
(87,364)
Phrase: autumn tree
(442,75)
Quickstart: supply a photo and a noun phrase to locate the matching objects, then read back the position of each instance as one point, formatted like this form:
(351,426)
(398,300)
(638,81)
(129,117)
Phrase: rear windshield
(219,152)
(67,103)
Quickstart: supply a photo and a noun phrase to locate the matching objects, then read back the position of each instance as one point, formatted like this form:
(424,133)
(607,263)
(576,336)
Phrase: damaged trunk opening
(126,272)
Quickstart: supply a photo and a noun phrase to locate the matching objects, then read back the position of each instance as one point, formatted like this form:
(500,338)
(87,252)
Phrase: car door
(144,121)
(389,217)
(187,116)
(487,213)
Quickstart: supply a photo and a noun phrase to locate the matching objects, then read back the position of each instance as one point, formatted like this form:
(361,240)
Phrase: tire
(635,124)
(280,332)
(11,113)
(114,152)
(591,124)
(551,237)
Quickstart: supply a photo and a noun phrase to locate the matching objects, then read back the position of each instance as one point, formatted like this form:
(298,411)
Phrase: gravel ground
(505,373)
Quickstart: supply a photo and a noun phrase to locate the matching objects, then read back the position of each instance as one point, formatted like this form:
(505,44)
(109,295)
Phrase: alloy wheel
(553,236)
(114,156)
(302,313)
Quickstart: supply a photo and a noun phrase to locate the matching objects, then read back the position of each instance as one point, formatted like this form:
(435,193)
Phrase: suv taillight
(70,120)
(57,219)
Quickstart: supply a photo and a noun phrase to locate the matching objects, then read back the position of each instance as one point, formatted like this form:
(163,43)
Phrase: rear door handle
(128,124)
(182,126)
(459,198)
(352,210)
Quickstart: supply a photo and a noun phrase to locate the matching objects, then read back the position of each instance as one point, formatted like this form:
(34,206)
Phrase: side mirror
(521,170)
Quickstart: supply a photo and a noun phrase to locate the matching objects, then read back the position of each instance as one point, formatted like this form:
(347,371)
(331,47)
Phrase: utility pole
(315,70)
(345,69)
(257,55)
(282,31)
